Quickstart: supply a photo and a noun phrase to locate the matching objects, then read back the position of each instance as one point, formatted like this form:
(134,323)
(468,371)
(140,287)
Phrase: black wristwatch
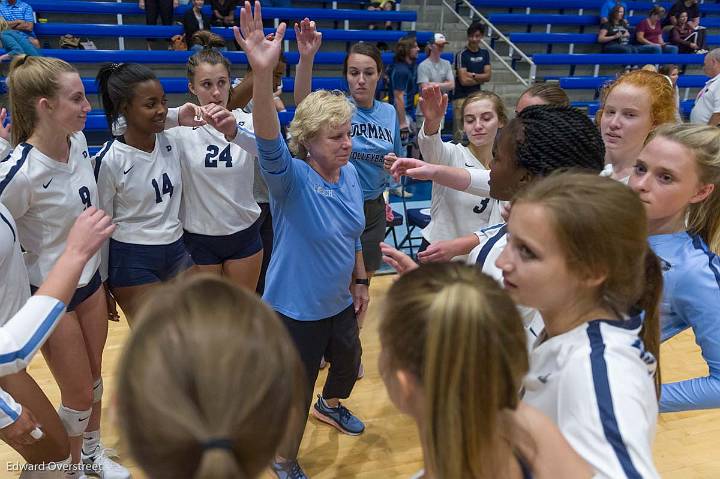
(365,281)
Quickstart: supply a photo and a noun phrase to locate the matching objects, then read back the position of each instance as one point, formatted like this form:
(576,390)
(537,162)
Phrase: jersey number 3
(167,188)
(212,153)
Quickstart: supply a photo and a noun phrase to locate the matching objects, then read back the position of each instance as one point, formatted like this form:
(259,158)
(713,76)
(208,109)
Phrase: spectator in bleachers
(472,69)
(707,103)
(649,33)
(614,35)
(403,85)
(14,42)
(382,5)
(20,17)
(607,7)
(673,72)
(688,6)
(223,12)
(155,9)
(195,20)
(435,71)
(686,38)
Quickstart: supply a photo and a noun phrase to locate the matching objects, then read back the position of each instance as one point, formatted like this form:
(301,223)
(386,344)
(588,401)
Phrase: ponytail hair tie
(115,66)
(217,443)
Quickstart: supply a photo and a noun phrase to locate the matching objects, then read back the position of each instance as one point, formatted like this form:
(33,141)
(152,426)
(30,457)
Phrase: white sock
(91,439)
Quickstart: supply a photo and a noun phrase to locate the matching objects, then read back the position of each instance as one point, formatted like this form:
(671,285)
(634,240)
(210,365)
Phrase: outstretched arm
(263,55)
(308,43)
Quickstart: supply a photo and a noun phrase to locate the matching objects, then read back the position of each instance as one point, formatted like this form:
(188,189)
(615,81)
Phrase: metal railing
(492,30)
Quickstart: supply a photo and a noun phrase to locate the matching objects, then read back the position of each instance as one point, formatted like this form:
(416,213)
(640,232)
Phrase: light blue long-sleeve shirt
(317,227)
(691,299)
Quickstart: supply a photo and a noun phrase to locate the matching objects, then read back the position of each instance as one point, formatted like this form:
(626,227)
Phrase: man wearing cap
(435,70)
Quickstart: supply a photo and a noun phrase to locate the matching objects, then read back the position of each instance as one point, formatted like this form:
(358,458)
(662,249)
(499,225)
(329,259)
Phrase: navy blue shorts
(135,264)
(81,294)
(218,249)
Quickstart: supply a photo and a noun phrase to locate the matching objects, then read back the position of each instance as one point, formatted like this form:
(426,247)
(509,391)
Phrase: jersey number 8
(212,153)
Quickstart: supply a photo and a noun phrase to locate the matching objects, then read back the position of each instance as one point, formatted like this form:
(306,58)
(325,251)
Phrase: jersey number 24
(212,154)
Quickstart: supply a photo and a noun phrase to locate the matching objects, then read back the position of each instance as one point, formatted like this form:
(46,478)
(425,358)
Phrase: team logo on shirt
(168,147)
(371,130)
(322,191)
(125,172)
(45,185)
(85,154)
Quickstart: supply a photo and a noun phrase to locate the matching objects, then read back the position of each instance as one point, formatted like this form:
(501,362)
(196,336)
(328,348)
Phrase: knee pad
(75,422)
(97,391)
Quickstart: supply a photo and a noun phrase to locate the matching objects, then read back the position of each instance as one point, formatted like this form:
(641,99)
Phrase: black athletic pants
(337,338)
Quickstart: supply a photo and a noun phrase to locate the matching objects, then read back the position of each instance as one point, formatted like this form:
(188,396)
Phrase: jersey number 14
(167,188)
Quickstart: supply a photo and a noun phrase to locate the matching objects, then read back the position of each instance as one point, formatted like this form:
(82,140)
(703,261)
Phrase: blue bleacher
(161,31)
(618,59)
(131,8)
(580,4)
(579,20)
(580,38)
(591,83)
(172,57)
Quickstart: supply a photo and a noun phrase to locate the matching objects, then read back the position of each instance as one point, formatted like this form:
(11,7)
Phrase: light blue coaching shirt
(691,299)
(317,227)
(375,133)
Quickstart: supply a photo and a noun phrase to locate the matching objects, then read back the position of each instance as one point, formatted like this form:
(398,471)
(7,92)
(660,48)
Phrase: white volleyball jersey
(45,197)
(218,177)
(596,382)
(20,337)
(5,148)
(453,213)
(493,240)
(15,287)
(141,191)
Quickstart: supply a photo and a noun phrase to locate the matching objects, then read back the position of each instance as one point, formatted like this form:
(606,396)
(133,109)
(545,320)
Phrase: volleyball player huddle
(575,327)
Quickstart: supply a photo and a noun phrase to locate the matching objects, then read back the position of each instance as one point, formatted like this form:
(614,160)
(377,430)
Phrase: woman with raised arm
(316,280)
(375,129)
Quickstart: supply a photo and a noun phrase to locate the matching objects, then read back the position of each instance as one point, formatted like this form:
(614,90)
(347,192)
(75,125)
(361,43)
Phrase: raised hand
(308,38)
(262,54)
(433,103)
(190,114)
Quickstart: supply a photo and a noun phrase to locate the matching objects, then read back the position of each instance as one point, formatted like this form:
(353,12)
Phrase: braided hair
(553,137)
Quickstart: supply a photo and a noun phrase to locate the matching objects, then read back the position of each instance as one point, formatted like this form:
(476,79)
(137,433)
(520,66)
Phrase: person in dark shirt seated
(614,35)
(649,33)
(686,38)
(195,20)
(688,6)
(223,12)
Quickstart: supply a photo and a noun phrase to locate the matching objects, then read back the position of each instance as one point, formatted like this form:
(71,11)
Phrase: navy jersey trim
(26,147)
(487,247)
(603,396)
(7,222)
(633,322)
(699,244)
(99,157)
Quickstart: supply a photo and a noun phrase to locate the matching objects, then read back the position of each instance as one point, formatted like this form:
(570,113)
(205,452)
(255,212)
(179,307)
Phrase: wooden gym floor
(685,447)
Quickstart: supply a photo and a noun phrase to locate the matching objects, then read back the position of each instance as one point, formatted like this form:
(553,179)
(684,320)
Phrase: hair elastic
(218,443)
